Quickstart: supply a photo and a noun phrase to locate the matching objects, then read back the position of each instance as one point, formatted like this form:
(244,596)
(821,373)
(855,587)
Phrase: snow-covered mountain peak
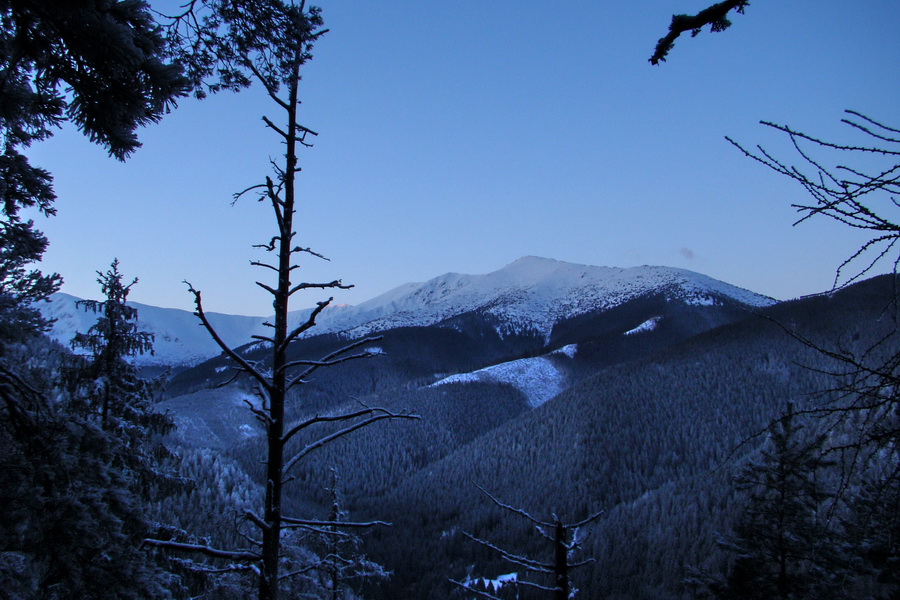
(529,294)
(532,293)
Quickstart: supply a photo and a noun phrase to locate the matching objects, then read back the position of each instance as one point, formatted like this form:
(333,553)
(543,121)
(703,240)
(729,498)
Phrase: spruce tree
(781,538)
(107,388)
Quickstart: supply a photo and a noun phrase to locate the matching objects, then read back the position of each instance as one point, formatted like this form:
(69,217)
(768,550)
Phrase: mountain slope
(179,338)
(644,440)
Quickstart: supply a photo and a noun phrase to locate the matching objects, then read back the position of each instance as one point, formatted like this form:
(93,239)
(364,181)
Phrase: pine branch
(715,15)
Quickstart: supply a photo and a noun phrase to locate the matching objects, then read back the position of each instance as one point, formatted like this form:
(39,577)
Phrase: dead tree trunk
(565,539)
(561,560)
(273,68)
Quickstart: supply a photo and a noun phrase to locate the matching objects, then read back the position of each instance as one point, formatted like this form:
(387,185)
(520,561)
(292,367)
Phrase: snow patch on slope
(539,379)
(648,325)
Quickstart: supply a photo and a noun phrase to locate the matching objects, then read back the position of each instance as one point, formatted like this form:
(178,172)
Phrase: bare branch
(306,326)
(522,561)
(474,591)
(309,251)
(202,549)
(341,433)
(256,520)
(246,366)
(267,288)
(336,284)
(237,196)
(270,247)
(590,519)
(274,127)
(513,509)
(333,358)
(350,524)
(327,419)
(257,263)
(317,364)
(539,587)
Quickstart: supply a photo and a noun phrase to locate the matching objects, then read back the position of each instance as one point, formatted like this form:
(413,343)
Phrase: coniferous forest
(707,448)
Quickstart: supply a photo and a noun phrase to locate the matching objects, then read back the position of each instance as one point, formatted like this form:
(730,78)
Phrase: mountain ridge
(529,294)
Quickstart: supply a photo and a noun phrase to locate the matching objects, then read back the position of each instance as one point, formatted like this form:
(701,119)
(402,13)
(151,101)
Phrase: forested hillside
(652,441)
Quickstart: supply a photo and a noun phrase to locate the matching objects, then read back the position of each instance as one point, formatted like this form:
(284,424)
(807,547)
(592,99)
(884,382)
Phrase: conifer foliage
(99,64)
(781,540)
(107,388)
(78,467)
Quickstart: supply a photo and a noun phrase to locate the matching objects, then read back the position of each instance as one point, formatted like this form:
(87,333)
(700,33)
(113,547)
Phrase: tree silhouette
(859,191)
(268,42)
(781,540)
(566,539)
(716,16)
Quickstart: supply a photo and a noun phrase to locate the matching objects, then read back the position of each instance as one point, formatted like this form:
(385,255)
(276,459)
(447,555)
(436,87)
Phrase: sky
(458,137)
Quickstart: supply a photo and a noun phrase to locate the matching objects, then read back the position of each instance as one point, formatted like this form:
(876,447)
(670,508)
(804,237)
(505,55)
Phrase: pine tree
(781,539)
(98,64)
(872,532)
(70,524)
(107,388)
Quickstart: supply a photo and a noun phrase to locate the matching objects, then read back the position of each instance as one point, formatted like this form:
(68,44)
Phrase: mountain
(178,337)
(562,389)
(531,295)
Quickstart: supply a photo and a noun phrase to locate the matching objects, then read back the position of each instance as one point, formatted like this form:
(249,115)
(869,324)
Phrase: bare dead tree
(268,43)
(566,539)
(862,197)
(716,16)
(860,189)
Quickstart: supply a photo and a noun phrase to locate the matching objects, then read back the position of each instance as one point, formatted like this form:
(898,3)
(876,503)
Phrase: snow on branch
(336,284)
(326,419)
(205,550)
(351,524)
(513,509)
(474,591)
(329,360)
(522,561)
(383,414)
(306,326)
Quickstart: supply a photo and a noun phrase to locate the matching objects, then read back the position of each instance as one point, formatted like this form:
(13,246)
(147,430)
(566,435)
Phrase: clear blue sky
(461,136)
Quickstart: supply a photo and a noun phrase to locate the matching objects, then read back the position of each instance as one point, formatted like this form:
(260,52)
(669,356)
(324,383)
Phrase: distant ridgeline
(531,295)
